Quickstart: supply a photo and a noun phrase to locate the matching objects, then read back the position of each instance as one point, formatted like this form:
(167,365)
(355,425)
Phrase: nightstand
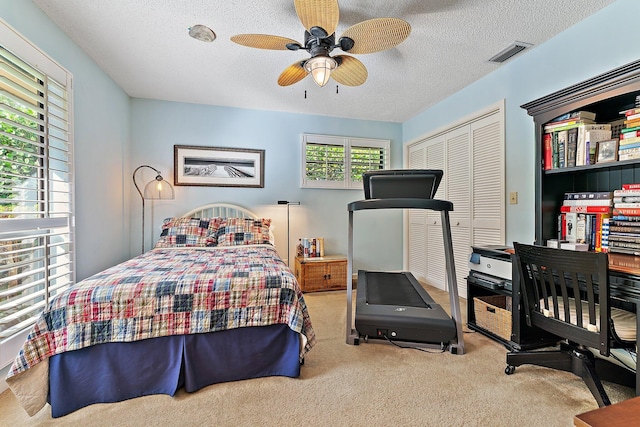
(321,273)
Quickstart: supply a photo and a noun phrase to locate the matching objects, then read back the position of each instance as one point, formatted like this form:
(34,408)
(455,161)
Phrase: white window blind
(36,186)
(339,162)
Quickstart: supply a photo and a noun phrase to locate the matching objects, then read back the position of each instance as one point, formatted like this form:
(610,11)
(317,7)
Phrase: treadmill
(394,307)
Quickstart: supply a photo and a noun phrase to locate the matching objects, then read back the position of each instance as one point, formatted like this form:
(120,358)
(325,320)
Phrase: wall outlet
(513,198)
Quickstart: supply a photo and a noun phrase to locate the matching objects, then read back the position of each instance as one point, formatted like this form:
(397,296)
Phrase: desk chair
(566,293)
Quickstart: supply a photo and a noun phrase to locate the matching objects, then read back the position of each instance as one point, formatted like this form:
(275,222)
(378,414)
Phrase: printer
(490,266)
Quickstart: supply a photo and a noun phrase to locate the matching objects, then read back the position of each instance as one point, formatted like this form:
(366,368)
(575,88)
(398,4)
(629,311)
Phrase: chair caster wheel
(509,370)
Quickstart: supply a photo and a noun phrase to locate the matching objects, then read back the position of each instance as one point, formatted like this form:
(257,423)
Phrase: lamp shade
(158,189)
(320,68)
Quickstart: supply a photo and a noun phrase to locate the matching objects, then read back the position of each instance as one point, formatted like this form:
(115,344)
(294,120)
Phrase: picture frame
(607,151)
(218,166)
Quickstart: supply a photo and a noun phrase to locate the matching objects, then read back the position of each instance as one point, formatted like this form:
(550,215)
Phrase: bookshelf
(606,95)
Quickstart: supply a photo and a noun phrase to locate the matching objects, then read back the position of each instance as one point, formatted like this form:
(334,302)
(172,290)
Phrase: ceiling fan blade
(292,74)
(376,35)
(318,13)
(350,72)
(263,41)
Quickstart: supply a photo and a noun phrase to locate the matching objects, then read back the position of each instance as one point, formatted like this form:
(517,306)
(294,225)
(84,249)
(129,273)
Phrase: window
(339,162)
(36,187)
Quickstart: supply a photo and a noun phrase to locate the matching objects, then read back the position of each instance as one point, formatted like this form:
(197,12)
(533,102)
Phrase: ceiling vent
(514,49)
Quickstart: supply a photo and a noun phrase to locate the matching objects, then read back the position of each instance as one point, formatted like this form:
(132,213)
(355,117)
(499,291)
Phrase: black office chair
(566,293)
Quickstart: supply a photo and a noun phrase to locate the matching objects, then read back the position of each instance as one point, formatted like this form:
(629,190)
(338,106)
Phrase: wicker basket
(493,313)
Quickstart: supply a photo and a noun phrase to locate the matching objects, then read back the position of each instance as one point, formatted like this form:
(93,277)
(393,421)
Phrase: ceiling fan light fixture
(202,33)
(320,68)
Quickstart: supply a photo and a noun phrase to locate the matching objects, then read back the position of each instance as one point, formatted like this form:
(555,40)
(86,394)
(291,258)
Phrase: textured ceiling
(144,46)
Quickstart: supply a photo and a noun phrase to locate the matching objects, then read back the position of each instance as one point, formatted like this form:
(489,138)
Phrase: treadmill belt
(392,289)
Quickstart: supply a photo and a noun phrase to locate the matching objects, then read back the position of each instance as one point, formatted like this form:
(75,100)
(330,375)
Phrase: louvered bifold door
(459,193)
(417,232)
(488,196)
(436,273)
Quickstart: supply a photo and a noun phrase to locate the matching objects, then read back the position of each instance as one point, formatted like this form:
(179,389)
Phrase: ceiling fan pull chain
(305,94)
(336,88)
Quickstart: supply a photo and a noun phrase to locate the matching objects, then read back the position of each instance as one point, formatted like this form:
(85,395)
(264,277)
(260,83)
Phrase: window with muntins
(339,162)
(36,187)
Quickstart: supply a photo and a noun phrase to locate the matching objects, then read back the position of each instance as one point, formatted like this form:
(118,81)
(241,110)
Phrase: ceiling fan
(320,19)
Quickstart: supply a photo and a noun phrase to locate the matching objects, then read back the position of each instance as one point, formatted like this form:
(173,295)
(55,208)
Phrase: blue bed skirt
(114,372)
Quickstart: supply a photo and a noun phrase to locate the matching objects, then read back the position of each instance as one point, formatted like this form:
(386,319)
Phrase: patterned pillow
(243,231)
(188,232)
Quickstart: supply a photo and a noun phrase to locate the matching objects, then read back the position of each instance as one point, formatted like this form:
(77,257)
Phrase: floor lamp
(288,203)
(156,189)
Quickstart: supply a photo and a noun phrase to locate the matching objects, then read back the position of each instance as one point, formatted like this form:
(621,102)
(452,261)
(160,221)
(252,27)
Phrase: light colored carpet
(365,385)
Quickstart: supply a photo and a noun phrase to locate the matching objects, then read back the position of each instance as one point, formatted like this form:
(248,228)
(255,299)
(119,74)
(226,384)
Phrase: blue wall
(101,158)
(156,126)
(595,45)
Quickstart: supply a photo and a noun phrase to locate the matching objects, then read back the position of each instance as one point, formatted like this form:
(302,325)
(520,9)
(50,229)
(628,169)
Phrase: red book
(547,151)
(626,211)
(631,186)
(586,209)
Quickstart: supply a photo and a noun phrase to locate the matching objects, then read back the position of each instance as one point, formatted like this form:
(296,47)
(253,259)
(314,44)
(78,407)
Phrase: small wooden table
(321,273)
(622,414)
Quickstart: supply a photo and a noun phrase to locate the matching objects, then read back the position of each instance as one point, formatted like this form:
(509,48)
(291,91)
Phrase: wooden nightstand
(322,273)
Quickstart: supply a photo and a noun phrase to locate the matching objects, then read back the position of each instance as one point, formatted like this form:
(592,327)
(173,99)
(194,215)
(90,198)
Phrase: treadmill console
(401,183)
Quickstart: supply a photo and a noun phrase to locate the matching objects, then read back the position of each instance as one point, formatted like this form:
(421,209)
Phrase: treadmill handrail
(401,203)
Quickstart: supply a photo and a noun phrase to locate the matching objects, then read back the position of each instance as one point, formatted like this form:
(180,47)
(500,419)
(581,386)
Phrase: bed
(211,302)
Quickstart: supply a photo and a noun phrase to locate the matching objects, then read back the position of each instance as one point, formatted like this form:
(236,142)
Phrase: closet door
(435,259)
(416,218)
(458,172)
(489,187)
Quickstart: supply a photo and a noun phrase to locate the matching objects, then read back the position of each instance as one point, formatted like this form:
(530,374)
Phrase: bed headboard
(225,210)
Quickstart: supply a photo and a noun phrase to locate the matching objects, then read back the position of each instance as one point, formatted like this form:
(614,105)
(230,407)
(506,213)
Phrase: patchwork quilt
(169,291)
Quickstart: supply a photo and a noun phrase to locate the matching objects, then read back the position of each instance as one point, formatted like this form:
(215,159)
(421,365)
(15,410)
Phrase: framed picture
(218,166)
(607,151)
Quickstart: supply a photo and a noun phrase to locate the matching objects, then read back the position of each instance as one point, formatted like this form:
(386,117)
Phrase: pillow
(188,232)
(243,231)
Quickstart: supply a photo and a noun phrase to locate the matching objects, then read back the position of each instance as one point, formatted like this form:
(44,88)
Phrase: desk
(622,414)
(624,283)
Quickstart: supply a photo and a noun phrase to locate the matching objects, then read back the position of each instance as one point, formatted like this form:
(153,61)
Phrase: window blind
(36,187)
(339,162)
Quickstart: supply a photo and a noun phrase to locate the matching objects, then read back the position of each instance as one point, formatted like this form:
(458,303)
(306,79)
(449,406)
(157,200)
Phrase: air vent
(514,49)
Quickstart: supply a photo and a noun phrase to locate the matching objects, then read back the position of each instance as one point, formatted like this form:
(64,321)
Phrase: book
(562,148)
(626,199)
(554,150)
(634,186)
(630,112)
(572,145)
(617,244)
(589,202)
(547,151)
(599,221)
(626,192)
(571,220)
(626,134)
(630,140)
(604,243)
(626,205)
(613,237)
(630,218)
(627,251)
(630,156)
(626,211)
(585,209)
(624,228)
(576,115)
(588,195)
(581,229)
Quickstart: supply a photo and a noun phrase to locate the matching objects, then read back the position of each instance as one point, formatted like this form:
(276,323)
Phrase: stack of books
(581,218)
(624,225)
(310,247)
(629,148)
(570,140)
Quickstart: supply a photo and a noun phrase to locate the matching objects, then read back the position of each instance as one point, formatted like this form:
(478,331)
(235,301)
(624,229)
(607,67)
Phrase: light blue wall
(598,44)
(101,119)
(158,125)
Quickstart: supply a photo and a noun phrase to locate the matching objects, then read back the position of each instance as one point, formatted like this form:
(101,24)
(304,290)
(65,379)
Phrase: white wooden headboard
(223,210)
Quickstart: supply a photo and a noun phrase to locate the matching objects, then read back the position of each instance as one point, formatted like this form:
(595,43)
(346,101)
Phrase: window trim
(347,143)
